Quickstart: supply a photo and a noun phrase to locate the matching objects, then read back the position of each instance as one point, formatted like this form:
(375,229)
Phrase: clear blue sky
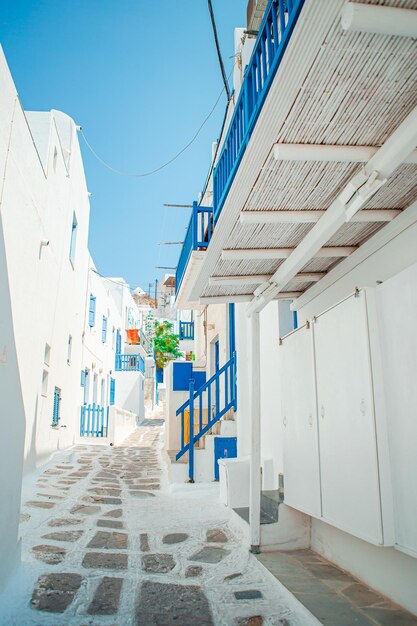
(139,77)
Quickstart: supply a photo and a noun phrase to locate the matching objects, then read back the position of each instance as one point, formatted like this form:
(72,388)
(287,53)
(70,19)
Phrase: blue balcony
(129,363)
(198,237)
(275,32)
(186,330)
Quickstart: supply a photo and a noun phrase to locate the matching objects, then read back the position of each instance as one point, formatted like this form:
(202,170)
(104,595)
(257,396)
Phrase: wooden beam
(312,217)
(261,254)
(247,297)
(328,153)
(258,279)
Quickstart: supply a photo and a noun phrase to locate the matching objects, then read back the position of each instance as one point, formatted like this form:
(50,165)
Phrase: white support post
(255,457)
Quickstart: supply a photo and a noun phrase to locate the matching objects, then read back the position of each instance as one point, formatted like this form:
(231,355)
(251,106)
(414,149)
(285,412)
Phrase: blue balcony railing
(186,330)
(197,237)
(94,421)
(129,363)
(205,407)
(275,31)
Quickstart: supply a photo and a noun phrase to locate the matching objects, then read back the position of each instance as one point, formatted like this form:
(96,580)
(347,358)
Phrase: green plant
(165,344)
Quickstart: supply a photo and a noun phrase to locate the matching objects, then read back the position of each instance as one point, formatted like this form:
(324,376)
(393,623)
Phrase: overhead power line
(161,167)
(219,55)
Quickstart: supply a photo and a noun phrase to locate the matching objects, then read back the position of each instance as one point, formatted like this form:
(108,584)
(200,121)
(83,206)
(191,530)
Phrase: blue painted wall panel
(224,448)
(181,374)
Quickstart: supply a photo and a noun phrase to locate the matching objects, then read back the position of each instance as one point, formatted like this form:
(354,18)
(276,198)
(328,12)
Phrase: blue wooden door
(224,448)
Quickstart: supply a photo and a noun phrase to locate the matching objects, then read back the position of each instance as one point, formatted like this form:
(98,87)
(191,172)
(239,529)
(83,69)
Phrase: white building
(47,339)
(315,212)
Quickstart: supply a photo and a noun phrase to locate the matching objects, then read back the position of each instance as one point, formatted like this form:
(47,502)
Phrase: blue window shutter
(83,378)
(118,342)
(112,390)
(104,330)
(92,311)
(55,411)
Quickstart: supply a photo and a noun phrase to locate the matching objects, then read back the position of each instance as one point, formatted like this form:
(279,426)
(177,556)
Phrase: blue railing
(205,407)
(94,421)
(129,363)
(197,237)
(274,34)
(186,330)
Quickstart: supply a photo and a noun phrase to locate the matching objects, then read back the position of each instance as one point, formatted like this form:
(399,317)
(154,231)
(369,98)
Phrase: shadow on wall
(12,421)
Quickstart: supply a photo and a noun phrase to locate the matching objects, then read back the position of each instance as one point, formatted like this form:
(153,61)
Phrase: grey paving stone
(142,494)
(40,505)
(216,535)
(193,571)
(105,491)
(254,620)
(209,555)
(105,560)
(55,592)
(144,542)
(106,598)
(114,513)
(391,617)
(51,496)
(24,517)
(327,571)
(109,523)
(102,500)
(65,535)
(65,521)
(108,540)
(82,509)
(233,576)
(172,605)
(334,611)
(49,554)
(361,595)
(158,563)
(248,594)
(172,538)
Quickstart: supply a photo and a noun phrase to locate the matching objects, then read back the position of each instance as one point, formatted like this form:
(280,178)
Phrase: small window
(92,311)
(69,349)
(56,411)
(45,375)
(73,242)
(55,159)
(47,356)
(104,330)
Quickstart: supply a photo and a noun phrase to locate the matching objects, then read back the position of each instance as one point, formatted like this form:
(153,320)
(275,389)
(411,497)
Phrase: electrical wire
(161,167)
(219,55)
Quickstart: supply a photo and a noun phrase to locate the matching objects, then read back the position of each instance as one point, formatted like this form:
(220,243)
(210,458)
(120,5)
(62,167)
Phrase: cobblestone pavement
(106,541)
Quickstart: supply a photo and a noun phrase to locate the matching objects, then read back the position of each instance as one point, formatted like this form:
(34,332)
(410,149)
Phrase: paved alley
(106,541)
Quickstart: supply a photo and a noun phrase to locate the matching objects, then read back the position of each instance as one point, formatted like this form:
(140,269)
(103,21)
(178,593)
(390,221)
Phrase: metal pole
(255,457)
(191,435)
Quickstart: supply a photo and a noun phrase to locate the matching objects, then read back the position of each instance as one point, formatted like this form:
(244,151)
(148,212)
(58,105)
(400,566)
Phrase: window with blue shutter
(104,330)
(73,242)
(112,390)
(118,342)
(56,406)
(83,377)
(92,311)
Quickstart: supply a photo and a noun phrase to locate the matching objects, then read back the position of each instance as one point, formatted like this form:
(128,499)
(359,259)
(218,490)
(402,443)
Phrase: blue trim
(186,330)
(266,57)
(104,330)
(295,319)
(232,330)
(92,311)
(112,391)
(56,406)
(200,228)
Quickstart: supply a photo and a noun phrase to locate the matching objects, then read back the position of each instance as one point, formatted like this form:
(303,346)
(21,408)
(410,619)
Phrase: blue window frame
(118,342)
(112,390)
(92,311)
(56,406)
(104,330)
(73,242)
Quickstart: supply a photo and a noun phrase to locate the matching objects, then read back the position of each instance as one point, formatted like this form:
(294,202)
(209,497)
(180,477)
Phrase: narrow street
(105,541)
